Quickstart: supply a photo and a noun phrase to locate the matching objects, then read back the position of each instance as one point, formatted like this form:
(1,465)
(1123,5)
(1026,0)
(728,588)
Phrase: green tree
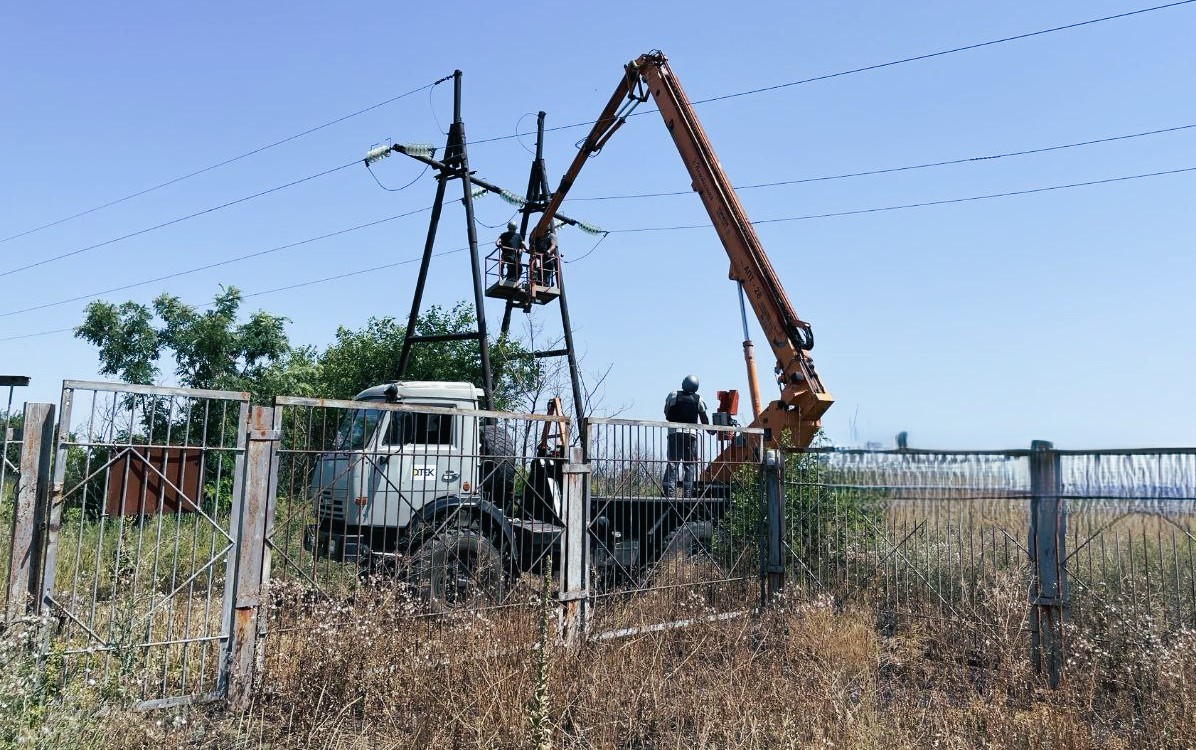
(370,355)
(209,348)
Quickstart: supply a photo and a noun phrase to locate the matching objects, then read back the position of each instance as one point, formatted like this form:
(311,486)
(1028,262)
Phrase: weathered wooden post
(251,571)
(29,518)
(1046,545)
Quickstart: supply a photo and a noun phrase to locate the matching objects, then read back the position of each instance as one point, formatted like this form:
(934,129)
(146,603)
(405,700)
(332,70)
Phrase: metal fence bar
(773,571)
(24,571)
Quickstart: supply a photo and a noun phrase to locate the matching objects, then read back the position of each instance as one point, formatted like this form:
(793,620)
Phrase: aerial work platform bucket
(531,283)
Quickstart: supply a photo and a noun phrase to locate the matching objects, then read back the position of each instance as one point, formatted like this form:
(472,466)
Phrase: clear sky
(1062,315)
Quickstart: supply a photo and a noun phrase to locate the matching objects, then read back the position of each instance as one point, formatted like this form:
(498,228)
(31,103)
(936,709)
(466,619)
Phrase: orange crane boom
(792,420)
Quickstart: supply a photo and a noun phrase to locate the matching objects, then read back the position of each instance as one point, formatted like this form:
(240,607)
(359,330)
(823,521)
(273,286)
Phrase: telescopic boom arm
(793,418)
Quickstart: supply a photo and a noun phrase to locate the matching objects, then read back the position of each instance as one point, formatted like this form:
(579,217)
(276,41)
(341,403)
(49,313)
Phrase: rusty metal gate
(142,526)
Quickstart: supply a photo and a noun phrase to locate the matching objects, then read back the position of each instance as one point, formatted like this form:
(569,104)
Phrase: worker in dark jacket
(684,406)
(510,244)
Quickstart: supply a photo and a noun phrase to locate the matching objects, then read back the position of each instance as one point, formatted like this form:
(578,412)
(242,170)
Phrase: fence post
(250,586)
(774,509)
(1047,548)
(29,518)
(575,548)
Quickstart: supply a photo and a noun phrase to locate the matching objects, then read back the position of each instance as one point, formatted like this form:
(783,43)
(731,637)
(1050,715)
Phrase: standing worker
(510,243)
(684,406)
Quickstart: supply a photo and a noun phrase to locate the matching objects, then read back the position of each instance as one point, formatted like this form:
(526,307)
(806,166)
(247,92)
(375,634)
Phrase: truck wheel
(497,466)
(691,539)
(458,568)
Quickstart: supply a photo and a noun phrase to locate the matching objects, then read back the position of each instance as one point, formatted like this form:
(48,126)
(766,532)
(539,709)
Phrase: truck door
(420,460)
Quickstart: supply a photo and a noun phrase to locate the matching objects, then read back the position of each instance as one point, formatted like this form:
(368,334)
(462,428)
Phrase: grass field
(890,666)
(798,677)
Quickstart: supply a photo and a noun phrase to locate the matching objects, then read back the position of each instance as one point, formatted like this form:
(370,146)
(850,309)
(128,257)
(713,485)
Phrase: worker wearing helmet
(510,243)
(687,407)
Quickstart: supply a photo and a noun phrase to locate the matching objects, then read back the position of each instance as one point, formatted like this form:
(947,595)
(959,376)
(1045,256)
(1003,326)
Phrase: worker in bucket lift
(684,406)
(510,243)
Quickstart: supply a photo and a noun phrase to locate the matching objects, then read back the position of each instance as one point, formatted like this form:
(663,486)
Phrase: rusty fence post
(250,587)
(29,517)
(1046,545)
(575,549)
(773,557)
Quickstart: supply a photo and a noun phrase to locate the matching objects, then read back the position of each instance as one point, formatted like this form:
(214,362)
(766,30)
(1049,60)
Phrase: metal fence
(1082,545)
(142,525)
(191,541)
(424,509)
(674,520)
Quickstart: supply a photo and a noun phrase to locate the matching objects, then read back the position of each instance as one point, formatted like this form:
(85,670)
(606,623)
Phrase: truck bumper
(333,545)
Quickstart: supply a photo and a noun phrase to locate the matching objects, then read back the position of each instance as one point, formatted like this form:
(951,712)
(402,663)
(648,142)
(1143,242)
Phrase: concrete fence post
(29,517)
(575,548)
(1046,545)
(773,570)
(251,561)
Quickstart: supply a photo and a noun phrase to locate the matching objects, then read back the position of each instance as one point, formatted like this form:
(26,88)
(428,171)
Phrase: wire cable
(940,53)
(349,274)
(590,252)
(398,189)
(877,66)
(286,288)
(944,202)
(906,168)
(226,162)
(217,264)
(174,221)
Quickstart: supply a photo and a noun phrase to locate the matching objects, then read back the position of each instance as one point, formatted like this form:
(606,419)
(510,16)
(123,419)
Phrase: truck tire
(693,539)
(497,466)
(458,568)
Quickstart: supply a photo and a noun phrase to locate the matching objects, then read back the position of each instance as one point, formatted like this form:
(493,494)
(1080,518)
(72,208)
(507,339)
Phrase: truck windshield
(355,429)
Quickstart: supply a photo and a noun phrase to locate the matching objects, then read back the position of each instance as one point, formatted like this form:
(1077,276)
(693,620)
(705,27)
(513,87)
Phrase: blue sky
(1061,315)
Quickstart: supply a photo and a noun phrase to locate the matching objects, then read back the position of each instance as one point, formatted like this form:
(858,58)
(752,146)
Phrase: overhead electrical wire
(906,168)
(321,280)
(876,66)
(216,264)
(943,202)
(592,249)
(226,162)
(146,230)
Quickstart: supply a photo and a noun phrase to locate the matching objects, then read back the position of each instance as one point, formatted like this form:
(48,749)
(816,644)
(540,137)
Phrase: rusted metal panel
(146,481)
(24,571)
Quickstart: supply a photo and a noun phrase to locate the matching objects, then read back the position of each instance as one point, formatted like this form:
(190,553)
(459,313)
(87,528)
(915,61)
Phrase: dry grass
(376,674)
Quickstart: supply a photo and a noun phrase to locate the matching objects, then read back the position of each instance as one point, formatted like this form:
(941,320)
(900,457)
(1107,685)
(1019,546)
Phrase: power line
(906,168)
(226,162)
(225,262)
(217,264)
(940,53)
(286,288)
(174,221)
(349,274)
(944,202)
(877,66)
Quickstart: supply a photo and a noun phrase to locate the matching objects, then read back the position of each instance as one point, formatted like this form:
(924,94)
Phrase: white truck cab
(386,465)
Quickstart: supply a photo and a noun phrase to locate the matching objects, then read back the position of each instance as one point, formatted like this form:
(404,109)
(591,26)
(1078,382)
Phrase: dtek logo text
(423,473)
